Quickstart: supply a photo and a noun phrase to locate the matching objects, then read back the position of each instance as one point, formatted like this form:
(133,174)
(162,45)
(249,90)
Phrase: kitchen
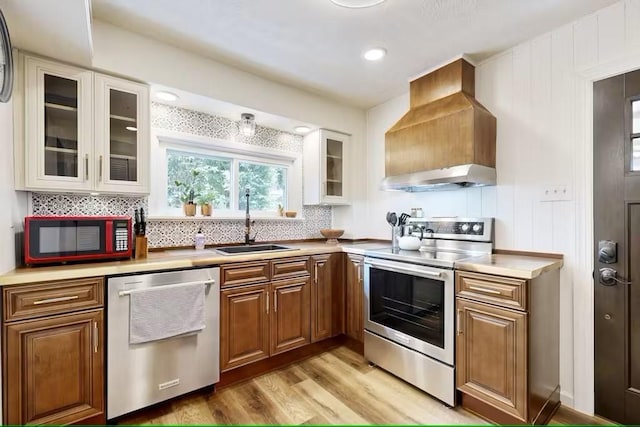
(538,90)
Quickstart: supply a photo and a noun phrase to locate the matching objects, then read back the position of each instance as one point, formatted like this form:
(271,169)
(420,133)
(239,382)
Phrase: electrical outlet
(556,193)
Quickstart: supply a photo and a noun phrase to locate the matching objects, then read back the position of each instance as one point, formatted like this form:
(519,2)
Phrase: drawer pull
(52,300)
(267,302)
(459,322)
(489,291)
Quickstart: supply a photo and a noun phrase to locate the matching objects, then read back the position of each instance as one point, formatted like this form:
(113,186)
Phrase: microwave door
(61,239)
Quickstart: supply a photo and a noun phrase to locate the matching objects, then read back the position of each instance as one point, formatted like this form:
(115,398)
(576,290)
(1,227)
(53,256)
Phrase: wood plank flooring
(336,387)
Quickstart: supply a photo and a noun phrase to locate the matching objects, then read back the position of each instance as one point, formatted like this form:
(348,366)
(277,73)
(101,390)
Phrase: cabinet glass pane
(60,126)
(334,167)
(123,136)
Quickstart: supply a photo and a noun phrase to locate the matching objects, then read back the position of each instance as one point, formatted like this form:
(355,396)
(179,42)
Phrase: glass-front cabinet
(58,129)
(121,142)
(83,131)
(325,162)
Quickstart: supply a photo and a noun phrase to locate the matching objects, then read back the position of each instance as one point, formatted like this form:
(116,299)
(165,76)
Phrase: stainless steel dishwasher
(139,375)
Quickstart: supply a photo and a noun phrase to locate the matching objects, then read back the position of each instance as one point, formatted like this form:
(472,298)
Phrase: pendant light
(247,125)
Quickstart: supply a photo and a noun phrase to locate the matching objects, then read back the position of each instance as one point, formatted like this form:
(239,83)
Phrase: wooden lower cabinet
(244,325)
(355,297)
(507,346)
(54,369)
(321,296)
(492,352)
(290,315)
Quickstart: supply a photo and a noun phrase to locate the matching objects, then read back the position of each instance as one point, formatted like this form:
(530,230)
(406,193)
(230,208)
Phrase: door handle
(275,301)
(459,322)
(267,302)
(609,277)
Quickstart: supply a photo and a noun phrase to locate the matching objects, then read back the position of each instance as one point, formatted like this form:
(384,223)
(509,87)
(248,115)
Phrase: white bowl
(409,243)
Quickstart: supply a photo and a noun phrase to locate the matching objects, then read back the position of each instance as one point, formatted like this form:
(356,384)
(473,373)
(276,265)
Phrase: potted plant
(188,193)
(205,200)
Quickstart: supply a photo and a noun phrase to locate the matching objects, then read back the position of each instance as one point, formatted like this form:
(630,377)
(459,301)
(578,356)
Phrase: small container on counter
(199,239)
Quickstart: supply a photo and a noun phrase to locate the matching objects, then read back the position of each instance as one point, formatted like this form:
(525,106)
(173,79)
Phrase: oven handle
(404,268)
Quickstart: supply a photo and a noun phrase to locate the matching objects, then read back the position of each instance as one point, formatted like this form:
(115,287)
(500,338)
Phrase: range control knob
(464,228)
(476,228)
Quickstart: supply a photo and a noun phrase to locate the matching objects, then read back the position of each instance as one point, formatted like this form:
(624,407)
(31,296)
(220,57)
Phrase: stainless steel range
(409,301)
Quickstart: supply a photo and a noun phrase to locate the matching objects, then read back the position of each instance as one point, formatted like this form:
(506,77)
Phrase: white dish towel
(165,311)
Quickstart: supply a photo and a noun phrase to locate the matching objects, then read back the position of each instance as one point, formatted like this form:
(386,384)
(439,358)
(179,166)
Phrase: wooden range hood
(447,139)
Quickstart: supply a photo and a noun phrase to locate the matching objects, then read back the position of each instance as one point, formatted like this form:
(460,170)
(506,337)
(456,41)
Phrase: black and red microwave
(59,239)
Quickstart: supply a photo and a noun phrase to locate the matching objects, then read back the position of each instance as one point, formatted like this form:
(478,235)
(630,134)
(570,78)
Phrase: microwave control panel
(121,235)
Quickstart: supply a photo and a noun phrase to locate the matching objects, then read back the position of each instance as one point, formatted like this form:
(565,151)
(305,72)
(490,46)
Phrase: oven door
(411,305)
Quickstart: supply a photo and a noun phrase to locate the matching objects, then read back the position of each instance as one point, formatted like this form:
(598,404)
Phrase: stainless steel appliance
(139,375)
(409,301)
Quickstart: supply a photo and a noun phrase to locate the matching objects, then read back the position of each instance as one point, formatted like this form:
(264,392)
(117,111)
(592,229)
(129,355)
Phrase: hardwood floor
(336,387)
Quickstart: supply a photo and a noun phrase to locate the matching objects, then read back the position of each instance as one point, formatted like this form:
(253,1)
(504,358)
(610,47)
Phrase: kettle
(409,242)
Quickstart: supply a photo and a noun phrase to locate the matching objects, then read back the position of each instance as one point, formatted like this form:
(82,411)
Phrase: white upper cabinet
(122,135)
(326,159)
(80,131)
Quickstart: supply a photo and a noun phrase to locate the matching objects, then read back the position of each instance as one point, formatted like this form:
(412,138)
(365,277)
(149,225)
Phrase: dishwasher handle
(203,282)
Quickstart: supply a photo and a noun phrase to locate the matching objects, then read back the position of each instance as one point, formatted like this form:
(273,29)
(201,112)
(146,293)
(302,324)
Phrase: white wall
(14,203)
(540,93)
(122,52)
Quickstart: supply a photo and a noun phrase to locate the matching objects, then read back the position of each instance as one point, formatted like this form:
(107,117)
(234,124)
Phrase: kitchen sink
(238,250)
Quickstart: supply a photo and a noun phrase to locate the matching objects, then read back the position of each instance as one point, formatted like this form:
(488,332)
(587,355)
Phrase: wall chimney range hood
(446,140)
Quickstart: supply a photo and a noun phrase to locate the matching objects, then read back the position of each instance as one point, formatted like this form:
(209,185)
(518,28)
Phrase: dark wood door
(616,178)
(290,315)
(355,297)
(54,369)
(244,325)
(491,356)
(321,306)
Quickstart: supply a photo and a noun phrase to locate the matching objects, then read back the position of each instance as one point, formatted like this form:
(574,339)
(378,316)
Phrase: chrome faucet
(247,222)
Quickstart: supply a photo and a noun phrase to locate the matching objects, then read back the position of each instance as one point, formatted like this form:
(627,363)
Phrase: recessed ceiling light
(132,128)
(375,54)
(166,96)
(356,4)
(302,129)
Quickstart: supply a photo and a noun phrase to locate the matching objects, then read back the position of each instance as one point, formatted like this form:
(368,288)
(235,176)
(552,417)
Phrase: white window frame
(234,151)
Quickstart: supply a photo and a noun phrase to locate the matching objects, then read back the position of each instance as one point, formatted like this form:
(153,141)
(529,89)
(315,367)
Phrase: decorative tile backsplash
(180,232)
(178,119)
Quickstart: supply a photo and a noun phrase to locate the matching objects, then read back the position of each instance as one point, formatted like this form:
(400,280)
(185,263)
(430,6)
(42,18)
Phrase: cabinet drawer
(244,273)
(48,298)
(289,267)
(502,291)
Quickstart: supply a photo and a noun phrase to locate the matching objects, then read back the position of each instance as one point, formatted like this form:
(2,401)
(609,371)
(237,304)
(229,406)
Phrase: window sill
(222,218)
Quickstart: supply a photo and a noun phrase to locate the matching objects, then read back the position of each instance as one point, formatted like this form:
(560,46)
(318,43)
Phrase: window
(221,178)
(268,185)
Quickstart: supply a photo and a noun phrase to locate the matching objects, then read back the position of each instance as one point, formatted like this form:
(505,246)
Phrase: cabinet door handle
(275,301)
(489,291)
(100,169)
(315,270)
(459,322)
(267,302)
(95,336)
(359,273)
(86,167)
(52,300)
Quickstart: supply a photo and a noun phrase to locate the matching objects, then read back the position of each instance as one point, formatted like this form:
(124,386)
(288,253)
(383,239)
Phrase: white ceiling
(317,46)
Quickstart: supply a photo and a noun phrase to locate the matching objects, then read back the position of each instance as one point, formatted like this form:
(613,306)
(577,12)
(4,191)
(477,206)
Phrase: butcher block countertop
(511,265)
(169,260)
